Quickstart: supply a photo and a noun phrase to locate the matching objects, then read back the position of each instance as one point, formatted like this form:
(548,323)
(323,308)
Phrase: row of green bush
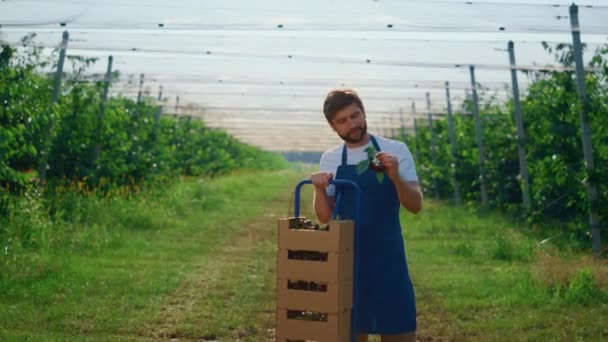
(128,148)
(553,145)
(134,143)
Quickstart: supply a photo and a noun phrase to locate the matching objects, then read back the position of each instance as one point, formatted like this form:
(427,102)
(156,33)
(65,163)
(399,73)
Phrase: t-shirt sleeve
(327,164)
(407,168)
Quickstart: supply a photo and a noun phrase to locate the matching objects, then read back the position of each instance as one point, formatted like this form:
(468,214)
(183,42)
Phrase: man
(386,302)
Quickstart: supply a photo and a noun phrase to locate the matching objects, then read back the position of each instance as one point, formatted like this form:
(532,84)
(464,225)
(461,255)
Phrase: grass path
(200,269)
(228,295)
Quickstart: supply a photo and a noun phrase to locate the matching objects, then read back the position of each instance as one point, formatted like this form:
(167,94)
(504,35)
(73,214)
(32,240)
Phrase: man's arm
(323,204)
(410,195)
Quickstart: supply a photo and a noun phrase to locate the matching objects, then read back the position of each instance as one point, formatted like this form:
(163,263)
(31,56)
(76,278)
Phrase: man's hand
(323,204)
(390,163)
(321,179)
(409,192)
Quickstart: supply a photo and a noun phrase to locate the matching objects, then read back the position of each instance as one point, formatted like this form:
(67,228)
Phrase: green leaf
(362,166)
(380,177)
(371,152)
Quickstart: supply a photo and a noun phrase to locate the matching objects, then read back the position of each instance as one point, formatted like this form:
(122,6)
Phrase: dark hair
(339,99)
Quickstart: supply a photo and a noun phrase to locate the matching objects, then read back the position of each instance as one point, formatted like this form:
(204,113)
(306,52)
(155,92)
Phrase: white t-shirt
(331,159)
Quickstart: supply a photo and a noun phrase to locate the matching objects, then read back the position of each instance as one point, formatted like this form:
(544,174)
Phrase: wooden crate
(335,329)
(338,297)
(340,236)
(320,287)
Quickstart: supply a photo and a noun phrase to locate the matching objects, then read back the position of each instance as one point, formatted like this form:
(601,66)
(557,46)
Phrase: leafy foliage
(128,144)
(553,145)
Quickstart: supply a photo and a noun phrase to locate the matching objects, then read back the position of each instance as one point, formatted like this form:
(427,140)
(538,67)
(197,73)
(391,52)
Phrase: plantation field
(195,260)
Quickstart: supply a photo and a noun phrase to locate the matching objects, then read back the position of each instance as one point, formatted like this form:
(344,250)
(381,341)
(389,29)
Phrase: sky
(261,69)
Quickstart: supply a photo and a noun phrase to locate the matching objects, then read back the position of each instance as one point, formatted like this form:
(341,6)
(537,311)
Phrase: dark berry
(375,165)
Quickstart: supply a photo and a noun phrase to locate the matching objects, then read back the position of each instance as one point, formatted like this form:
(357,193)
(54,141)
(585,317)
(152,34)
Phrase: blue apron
(386,302)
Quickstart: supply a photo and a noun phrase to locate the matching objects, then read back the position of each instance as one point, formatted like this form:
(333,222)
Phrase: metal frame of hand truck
(353,323)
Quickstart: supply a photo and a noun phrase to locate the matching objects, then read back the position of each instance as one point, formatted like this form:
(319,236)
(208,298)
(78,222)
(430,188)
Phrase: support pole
(402,123)
(416,133)
(433,149)
(141,88)
(455,185)
(417,143)
(102,111)
(44,148)
(478,133)
(586,130)
(523,165)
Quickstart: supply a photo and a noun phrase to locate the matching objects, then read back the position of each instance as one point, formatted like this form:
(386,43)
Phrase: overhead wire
(307,83)
(312,111)
(168,54)
(312,26)
(327,59)
(292,95)
(112,26)
(553,3)
(167,33)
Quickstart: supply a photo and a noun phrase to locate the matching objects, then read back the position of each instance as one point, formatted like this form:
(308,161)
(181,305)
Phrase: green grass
(199,266)
(196,261)
(479,277)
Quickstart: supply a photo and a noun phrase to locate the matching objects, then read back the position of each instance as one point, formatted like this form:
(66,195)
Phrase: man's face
(350,124)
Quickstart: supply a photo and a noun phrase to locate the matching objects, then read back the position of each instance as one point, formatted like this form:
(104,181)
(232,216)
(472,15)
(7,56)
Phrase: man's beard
(351,140)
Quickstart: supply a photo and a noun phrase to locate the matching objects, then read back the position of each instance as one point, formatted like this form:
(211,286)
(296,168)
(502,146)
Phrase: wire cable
(168,54)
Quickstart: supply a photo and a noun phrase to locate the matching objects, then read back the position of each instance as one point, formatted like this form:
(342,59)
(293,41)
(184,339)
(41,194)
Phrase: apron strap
(344,160)
(334,214)
(375,143)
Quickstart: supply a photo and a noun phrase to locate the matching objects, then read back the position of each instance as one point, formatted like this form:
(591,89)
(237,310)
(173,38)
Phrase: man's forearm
(410,195)
(323,205)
